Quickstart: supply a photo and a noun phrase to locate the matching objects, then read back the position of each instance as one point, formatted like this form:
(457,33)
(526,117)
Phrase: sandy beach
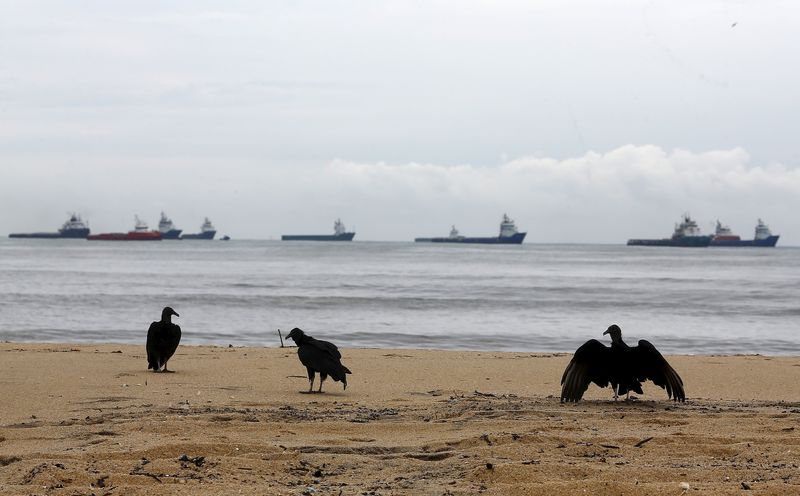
(90,419)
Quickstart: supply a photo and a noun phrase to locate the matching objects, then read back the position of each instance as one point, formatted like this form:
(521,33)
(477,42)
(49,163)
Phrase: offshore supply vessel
(508,235)
(339,234)
(763,236)
(167,228)
(141,232)
(73,228)
(207,231)
(686,234)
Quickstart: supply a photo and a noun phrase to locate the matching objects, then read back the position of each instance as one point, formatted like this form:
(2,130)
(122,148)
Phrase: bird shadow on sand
(323,393)
(648,405)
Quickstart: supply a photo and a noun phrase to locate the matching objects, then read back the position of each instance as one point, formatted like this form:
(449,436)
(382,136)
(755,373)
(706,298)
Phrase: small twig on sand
(641,443)
(147,474)
(281,337)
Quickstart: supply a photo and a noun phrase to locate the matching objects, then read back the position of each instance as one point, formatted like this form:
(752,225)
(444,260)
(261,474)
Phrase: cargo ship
(207,231)
(140,233)
(508,235)
(167,228)
(73,228)
(687,234)
(763,237)
(339,234)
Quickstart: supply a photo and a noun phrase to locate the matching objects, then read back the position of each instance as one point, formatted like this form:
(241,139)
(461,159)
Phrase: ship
(763,236)
(207,231)
(167,228)
(141,232)
(508,235)
(74,228)
(686,234)
(339,234)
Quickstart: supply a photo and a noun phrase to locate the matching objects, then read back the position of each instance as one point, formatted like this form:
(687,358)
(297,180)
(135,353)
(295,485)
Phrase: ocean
(527,298)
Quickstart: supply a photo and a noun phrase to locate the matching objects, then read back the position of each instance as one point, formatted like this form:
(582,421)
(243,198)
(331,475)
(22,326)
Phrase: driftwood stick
(281,337)
(641,443)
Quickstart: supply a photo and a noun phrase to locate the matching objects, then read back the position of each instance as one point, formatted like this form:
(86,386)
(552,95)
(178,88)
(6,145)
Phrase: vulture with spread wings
(624,367)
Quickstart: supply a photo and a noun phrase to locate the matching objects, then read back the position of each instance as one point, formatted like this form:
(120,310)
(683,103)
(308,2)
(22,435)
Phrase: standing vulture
(162,341)
(319,356)
(624,367)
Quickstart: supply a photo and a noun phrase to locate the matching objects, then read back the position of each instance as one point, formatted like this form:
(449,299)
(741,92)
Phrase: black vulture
(624,367)
(162,340)
(319,356)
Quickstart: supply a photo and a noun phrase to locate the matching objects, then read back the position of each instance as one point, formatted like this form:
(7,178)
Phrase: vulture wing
(322,361)
(151,346)
(171,341)
(648,363)
(324,346)
(591,363)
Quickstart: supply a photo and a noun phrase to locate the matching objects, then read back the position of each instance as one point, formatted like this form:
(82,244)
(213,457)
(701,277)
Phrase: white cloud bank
(632,191)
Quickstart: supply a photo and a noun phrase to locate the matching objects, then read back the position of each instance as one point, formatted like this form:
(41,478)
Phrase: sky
(585,121)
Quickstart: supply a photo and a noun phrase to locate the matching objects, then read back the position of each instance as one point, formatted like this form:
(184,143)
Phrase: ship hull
(42,235)
(202,235)
(683,242)
(516,239)
(71,234)
(736,243)
(131,236)
(348,236)
(172,234)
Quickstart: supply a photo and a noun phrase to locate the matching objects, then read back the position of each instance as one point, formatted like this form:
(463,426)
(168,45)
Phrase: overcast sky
(589,121)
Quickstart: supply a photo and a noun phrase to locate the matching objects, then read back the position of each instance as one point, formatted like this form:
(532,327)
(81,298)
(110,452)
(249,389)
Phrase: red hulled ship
(140,233)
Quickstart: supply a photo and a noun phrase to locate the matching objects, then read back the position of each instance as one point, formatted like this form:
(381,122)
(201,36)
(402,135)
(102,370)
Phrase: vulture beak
(605,332)
(175,313)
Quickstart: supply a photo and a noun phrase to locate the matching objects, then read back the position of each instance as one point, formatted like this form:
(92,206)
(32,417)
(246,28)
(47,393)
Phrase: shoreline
(364,348)
(249,345)
(91,419)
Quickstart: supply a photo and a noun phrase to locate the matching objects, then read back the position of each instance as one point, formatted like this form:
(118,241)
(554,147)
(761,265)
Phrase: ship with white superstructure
(73,228)
(140,232)
(508,235)
(207,231)
(686,234)
(167,228)
(762,237)
(340,233)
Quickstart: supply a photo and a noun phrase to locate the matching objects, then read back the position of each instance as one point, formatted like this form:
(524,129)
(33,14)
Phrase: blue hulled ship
(687,234)
(207,231)
(167,228)
(508,235)
(763,237)
(73,228)
(339,234)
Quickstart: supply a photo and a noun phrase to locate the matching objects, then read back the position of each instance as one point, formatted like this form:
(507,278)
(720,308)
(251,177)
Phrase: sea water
(532,297)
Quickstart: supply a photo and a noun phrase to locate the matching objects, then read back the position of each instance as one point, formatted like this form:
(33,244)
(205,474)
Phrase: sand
(90,419)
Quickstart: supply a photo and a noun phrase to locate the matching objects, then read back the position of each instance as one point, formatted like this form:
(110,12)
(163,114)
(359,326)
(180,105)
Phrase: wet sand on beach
(90,419)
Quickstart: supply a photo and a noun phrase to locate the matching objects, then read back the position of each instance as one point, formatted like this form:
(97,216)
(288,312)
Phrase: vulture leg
(165,368)
(616,392)
(322,377)
(311,375)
